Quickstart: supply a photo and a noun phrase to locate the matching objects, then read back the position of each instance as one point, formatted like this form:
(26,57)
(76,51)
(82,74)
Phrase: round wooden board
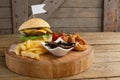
(50,66)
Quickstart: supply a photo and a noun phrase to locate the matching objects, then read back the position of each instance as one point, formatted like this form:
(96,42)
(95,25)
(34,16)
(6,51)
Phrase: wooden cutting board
(50,66)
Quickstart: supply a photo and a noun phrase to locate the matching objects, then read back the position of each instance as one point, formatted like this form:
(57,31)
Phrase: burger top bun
(34,23)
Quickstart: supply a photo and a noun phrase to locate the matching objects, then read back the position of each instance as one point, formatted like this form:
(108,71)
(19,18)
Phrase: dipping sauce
(59,44)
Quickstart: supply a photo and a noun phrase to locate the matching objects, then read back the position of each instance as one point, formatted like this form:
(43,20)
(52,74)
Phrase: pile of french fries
(30,48)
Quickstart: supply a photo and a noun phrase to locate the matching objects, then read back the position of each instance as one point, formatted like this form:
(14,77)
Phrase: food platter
(50,66)
(46,54)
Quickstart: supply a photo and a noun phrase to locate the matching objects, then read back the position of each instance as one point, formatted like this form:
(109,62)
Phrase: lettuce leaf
(25,37)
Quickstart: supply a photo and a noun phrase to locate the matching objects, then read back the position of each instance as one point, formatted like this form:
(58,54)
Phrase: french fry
(22,46)
(17,50)
(36,41)
(40,52)
(28,44)
(18,47)
(31,49)
(36,49)
(35,44)
(30,54)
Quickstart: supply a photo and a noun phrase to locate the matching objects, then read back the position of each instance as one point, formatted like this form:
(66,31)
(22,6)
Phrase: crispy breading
(81,44)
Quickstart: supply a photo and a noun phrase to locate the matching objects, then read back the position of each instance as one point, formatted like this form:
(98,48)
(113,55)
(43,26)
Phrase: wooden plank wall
(5,17)
(76,15)
(111,17)
(72,16)
(119,19)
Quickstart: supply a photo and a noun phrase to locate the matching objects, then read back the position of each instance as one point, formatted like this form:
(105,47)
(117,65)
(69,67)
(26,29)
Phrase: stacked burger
(35,29)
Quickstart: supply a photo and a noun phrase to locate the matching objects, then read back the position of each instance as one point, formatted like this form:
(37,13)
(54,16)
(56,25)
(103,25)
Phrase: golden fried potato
(40,52)
(17,52)
(30,54)
(31,49)
(22,46)
(36,49)
(36,44)
(28,44)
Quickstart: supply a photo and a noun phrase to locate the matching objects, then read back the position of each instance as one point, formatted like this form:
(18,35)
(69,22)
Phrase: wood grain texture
(82,3)
(100,70)
(5,31)
(50,66)
(76,29)
(106,61)
(2,59)
(111,15)
(5,3)
(72,25)
(10,36)
(2,51)
(8,41)
(119,10)
(74,22)
(81,9)
(5,17)
(5,24)
(5,13)
(33,2)
(77,13)
(75,3)
(51,6)
(20,13)
(97,71)
(107,48)
(107,57)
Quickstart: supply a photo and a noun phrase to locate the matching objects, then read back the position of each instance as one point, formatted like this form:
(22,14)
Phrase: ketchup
(55,35)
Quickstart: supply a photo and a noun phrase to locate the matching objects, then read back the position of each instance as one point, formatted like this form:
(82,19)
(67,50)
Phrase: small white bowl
(58,51)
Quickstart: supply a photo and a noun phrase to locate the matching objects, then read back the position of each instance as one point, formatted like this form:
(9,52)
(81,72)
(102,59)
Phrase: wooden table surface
(106,65)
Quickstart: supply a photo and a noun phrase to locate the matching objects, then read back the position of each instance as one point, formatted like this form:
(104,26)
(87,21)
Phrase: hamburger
(35,29)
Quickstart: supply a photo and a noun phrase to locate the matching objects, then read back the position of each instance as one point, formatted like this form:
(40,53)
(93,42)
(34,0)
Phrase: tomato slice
(57,35)
(54,36)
